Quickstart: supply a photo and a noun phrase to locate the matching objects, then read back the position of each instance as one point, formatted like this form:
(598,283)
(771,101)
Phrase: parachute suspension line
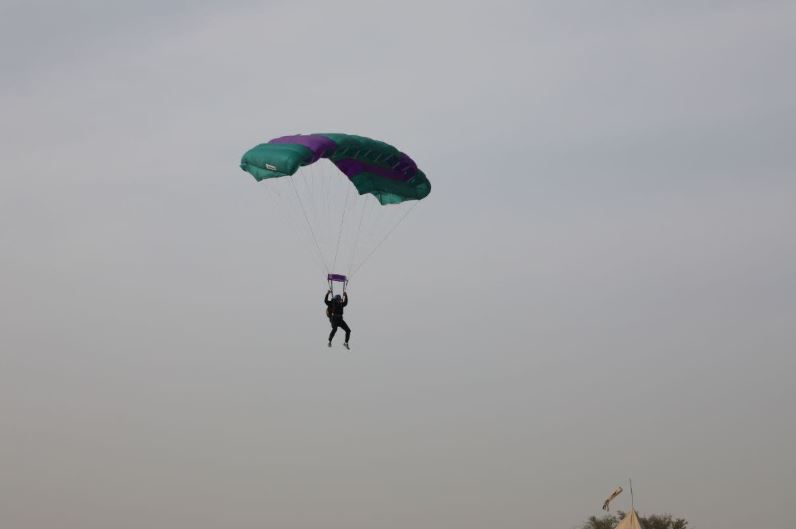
(324,174)
(340,231)
(400,220)
(285,218)
(309,196)
(312,232)
(365,202)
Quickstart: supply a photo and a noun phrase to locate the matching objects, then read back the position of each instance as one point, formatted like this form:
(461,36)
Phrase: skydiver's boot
(345,344)
(330,343)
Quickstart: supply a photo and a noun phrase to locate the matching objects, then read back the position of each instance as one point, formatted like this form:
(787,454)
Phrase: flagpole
(632,502)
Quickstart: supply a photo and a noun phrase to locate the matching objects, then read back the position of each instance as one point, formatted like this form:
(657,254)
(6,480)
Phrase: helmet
(338,298)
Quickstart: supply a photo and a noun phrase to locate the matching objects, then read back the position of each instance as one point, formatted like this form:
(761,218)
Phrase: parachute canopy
(372,166)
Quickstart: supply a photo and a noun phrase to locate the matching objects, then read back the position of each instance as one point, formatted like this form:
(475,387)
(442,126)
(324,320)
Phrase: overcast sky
(600,285)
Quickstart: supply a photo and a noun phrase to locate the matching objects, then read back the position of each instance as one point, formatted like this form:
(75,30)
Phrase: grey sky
(599,286)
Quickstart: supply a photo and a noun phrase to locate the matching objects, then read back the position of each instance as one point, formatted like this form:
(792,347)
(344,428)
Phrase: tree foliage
(602,522)
(652,521)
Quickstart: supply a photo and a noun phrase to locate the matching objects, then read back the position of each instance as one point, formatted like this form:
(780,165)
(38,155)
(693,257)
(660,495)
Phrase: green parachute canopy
(372,166)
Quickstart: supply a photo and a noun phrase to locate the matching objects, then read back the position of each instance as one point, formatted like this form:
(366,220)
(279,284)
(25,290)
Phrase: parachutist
(334,310)
(325,176)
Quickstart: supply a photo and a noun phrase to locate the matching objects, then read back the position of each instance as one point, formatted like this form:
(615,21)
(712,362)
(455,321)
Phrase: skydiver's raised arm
(345,298)
(326,298)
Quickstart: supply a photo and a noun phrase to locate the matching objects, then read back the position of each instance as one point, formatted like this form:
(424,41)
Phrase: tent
(630,521)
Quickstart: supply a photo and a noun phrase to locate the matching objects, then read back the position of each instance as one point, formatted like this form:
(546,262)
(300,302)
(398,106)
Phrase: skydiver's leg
(334,330)
(344,326)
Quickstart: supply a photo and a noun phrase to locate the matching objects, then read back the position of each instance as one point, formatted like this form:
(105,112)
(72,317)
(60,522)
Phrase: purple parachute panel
(319,145)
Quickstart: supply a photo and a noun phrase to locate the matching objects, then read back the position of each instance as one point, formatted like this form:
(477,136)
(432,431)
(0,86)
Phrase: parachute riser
(337,278)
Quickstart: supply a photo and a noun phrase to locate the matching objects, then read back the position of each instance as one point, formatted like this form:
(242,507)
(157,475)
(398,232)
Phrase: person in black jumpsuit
(334,309)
